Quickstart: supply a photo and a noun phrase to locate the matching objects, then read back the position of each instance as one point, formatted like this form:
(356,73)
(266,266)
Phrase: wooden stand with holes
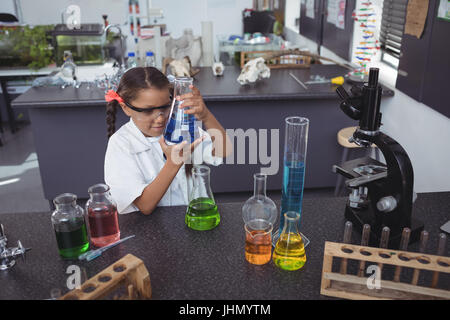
(347,286)
(128,271)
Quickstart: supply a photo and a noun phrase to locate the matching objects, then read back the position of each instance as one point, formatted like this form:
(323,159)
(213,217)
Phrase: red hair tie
(112,95)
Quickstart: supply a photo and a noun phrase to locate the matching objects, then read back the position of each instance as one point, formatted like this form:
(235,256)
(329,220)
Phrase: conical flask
(289,252)
(202,213)
(259,213)
(180,126)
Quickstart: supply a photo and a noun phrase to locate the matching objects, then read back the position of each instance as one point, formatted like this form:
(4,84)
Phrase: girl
(142,171)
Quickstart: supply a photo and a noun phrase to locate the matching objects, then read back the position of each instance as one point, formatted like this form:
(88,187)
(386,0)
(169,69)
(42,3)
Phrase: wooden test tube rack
(128,271)
(348,286)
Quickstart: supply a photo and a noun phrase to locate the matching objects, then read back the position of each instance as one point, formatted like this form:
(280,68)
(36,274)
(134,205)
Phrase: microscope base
(362,217)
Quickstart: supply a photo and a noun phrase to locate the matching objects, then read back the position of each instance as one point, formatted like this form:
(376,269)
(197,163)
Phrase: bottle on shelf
(131,62)
(150,59)
(68,68)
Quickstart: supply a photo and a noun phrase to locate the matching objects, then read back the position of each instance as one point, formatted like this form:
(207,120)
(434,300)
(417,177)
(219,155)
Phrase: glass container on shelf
(150,59)
(131,62)
(102,216)
(202,213)
(68,68)
(69,223)
(181,126)
(259,213)
(289,253)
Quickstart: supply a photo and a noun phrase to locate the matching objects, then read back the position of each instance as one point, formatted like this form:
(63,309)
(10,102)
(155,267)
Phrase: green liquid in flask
(289,252)
(202,214)
(72,243)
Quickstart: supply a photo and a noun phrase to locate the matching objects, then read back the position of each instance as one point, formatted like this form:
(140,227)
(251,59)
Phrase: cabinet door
(413,59)
(311,27)
(336,39)
(435,85)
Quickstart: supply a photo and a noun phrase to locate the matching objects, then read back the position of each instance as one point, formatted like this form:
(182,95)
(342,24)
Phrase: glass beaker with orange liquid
(102,216)
(259,213)
(258,241)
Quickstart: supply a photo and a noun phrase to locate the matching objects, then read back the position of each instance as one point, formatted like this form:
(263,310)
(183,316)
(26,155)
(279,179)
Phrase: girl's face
(155,104)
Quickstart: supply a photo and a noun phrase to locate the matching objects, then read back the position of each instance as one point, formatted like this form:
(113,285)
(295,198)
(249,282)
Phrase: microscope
(382,194)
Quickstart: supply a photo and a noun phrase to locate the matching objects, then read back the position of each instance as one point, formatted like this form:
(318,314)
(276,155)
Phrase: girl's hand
(195,104)
(179,153)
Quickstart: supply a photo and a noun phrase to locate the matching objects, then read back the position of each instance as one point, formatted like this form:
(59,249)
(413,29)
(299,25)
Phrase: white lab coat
(133,161)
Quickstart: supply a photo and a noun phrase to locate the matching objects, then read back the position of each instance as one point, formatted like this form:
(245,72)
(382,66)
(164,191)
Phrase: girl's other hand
(179,153)
(195,104)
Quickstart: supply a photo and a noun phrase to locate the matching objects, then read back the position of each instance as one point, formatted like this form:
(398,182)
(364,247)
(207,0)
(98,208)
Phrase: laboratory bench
(70,135)
(188,264)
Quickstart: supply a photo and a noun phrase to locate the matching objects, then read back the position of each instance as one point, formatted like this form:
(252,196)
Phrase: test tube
(347,239)
(385,237)
(423,244)
(384,242)
(440,252)
(364,243)
(403,247)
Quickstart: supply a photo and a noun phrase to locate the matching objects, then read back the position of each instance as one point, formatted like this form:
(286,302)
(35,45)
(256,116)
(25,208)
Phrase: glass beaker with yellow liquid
(289,252)
(202,213)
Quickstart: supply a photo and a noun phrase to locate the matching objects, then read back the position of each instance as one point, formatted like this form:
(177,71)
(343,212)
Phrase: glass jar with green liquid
(69,223)
(289,252)
(202,213)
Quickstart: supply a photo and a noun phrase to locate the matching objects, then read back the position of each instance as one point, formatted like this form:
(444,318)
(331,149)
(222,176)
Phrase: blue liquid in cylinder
(292,192)
(180,127)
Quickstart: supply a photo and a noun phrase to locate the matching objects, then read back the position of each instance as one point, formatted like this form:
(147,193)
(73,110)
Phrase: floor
(20,181)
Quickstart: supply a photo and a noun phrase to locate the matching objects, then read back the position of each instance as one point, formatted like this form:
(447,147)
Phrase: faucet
(8,256)
(105,32)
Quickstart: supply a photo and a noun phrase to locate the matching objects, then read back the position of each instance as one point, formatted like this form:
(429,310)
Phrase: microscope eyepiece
(373,77)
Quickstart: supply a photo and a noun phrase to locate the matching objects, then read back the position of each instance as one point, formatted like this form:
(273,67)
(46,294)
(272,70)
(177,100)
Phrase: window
(392,26)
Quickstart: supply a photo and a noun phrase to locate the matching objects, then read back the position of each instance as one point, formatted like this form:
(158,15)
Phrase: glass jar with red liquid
(102,216)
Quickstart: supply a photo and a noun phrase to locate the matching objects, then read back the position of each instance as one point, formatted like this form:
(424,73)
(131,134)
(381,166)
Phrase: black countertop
(188,264)
(280,86)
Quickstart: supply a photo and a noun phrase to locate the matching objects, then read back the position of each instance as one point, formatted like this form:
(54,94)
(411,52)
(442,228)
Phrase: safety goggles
(154,111)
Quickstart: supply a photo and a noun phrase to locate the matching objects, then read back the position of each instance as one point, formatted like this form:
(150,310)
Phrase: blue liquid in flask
(292,192)
(180,127)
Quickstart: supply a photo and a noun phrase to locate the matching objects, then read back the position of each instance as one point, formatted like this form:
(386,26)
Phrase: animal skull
(218,68)
(180,68)
(254,70)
